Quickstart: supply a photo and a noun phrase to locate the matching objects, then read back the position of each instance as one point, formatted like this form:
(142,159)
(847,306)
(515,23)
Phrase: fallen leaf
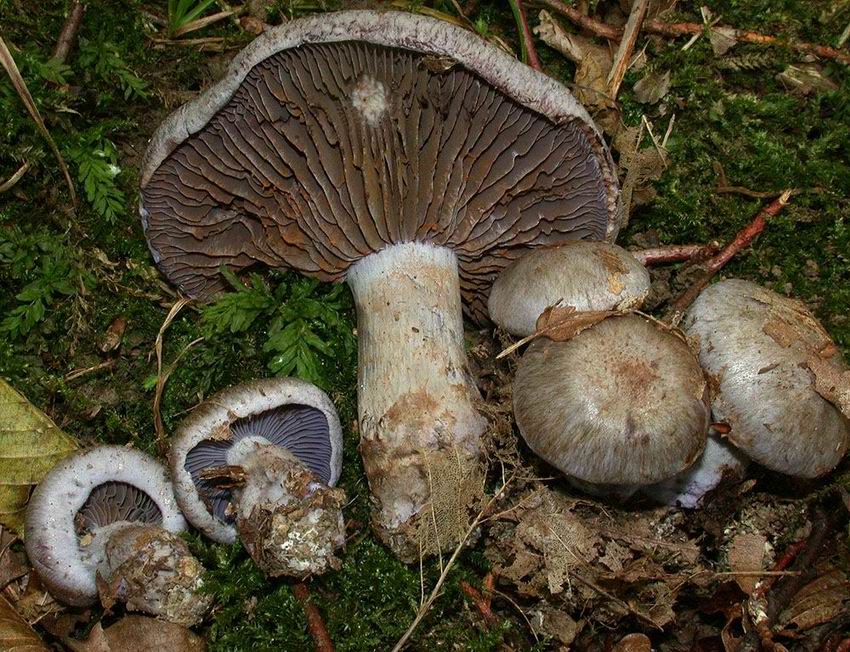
(746,554)
(562,323)
(112,338)
(12,563)
(16,635)
(593,62)
(652,87)
(139,634)
(722,40)
(819,602)
(633,643)
(30,445)
(806,78)
(832,381)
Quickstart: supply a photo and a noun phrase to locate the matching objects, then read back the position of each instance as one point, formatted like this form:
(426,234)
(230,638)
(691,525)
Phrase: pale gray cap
(756,346)
(582,274)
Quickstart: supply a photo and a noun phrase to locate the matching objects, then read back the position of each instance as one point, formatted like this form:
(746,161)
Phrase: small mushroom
(583,275)
(104,522)
(624,403)
(410,158)
(776,376)
(720,463)
(259,461)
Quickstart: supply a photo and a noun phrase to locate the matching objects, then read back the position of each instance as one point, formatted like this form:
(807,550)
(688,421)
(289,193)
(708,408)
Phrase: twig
(68,33)
(529,53)
(675,30)
(200,23)
(12,181)
(675,253)
(23,92)
(315,623)
(742,240)
(627,46)
(79,373)
(480,602)
(435,592)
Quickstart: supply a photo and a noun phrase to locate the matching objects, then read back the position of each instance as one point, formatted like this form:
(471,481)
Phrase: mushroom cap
(719,463)
(336,135)
(622,403)
(91,490)
(758,349)
(586,275)
(286,412)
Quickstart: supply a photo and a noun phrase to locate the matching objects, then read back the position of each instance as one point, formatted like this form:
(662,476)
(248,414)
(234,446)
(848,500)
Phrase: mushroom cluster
(104,523)
(618,401)
(413,160)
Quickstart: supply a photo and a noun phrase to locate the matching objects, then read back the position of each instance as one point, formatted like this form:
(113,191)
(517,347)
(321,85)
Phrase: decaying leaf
(30,444)
(16,635)
(12,562)
(821,601)
(722,40)
(746,555)
(562,323)
(652,87)
(832,382)
(593,62)
(139,634)
(633,643)
(806,78)
(641,166)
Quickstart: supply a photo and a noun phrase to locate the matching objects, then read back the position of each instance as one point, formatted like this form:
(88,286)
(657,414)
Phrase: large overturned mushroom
(408,157)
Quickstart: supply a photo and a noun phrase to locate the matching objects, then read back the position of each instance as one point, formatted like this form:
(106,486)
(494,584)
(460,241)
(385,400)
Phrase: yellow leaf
(30,445)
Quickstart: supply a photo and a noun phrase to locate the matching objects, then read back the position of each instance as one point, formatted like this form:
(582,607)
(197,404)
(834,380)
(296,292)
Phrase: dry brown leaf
(819,602)
(832,382)
(593,62)
(633,643)
(16,635)
(562,323)
(722,40)
(12,563)
(746,554)
(139,634)
(652,87)
(806,78)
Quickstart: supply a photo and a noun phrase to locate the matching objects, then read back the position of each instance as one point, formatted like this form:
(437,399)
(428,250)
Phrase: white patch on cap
(369,97)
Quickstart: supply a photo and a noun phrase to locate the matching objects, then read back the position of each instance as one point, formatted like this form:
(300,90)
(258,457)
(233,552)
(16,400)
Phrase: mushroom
(622,404)
(408,157)
(720,463)
(259,460)
(104,522)
(583,275)
(777,377)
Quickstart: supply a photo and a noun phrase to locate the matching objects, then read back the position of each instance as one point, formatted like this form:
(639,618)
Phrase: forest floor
(81,305)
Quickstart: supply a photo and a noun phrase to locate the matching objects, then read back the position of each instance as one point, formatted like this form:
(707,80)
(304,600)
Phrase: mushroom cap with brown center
(334,136)
(766,356)
(622,403)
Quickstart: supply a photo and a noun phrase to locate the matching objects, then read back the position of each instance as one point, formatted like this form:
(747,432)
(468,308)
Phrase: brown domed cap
(622,403)
(334,136)
(767,356)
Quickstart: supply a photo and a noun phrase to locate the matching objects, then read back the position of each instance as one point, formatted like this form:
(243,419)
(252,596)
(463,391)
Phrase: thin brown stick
(68,33)
(315,622)
(11,67)
(527,37)
(676,30)
(627,46)
(79,373)
(742,240)
(12,181)
(481,603)
(675,253)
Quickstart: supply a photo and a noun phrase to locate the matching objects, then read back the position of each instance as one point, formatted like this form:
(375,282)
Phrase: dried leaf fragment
(819,602)
(652,87)
(16,635)
(139,634)
(746,555)
(832,382)
(562,323)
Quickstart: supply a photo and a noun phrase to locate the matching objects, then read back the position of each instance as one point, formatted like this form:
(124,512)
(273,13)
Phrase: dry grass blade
(13,180)
(200,23)
(162,377)
(24,93)
(435,592)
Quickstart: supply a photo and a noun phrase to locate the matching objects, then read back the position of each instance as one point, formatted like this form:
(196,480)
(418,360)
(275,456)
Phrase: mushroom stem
(416,399)
(289,521)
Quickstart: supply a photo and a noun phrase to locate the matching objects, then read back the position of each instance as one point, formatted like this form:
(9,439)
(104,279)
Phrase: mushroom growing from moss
(778,378)
(104,522)
(408,157)
(622,404)
(583,275)
(259,461)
